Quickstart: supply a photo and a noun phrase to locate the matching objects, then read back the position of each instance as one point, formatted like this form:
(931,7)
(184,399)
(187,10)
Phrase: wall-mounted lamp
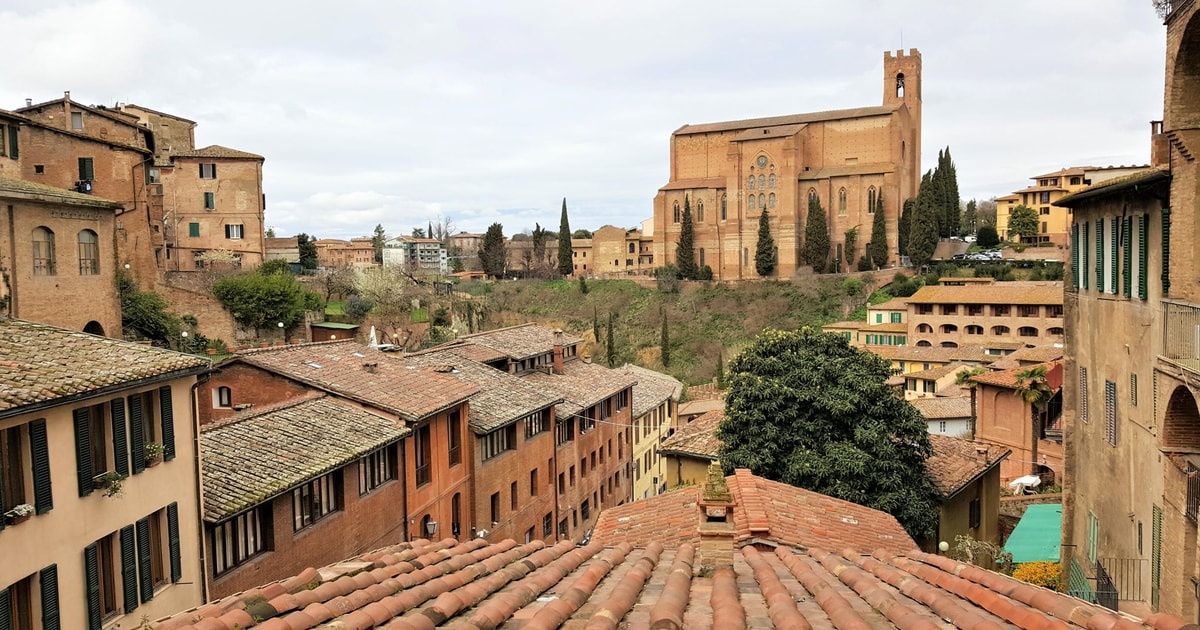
(431,528)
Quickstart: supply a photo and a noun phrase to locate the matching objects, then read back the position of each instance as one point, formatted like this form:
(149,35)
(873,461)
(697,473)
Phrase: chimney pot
(28,102)
(67,94)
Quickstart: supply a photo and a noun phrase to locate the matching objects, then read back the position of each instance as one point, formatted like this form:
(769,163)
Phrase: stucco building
(729,172)
(691,449)
(336,252)
(979,313)
(655,407)
(966,474)
(418,255)
(112,522)
(1004,418)
(1054,222)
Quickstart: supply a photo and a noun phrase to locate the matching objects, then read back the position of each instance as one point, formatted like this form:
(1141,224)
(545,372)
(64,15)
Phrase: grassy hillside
(703,322)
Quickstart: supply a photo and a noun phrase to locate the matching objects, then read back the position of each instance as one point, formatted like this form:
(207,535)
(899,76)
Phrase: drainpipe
(404,500)
(199,488)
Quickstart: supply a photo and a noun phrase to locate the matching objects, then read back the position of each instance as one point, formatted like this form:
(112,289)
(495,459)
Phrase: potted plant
(19,513)
(110,482)
(154,453)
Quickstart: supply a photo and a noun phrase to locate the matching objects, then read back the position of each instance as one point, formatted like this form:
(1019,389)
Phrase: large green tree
(492,256)
(904,225)
(259,300)
(816,237)
(685,249)
(923,229)
(377,239)
(877,249)
(308,250)
(566,263)
(806,409)
(1023,222)
(764,253)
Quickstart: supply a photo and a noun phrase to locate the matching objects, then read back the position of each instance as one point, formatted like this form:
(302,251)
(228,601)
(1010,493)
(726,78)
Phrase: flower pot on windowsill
(154,454)
(18,514)
(110,482)
(151,463)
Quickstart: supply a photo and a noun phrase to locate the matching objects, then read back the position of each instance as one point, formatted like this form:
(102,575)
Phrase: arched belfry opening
(899,85)
(1183,107)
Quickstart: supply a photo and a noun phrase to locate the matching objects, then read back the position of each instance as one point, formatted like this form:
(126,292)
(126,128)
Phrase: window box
(154,454)
(110,482)
(18,514)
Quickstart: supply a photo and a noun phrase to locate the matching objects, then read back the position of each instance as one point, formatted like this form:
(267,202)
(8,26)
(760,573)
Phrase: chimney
(67,94)
(715,529)
(371,367)
(1160,151)
(28,102)
(981,454)
(558,351)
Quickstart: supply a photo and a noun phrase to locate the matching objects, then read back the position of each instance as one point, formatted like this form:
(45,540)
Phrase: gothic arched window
(771,201)
(677,212)
(842,201)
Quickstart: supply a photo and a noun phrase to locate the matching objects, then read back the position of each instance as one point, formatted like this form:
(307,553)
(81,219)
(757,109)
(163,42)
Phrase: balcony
(1181,335)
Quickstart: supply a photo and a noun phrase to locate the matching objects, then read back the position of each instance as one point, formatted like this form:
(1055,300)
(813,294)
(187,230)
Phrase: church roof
(792,119)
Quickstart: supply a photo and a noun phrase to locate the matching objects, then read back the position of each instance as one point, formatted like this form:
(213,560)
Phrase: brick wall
(214,321)
(435,499)
(364,523)
(248,385)
(496,476)
(1016,505)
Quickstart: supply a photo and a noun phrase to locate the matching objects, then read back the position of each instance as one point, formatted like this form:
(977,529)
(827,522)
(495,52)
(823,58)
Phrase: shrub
(864,264)
(987,236)
(441,317)
(357,307)
(706,273)
(1041,573)
(852,286)
(668,278)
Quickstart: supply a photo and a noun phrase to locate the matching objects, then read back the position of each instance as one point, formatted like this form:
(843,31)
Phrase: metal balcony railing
(1181,334)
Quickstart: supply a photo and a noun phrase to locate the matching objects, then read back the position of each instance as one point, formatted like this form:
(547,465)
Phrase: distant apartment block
(425,255)
(1054,222)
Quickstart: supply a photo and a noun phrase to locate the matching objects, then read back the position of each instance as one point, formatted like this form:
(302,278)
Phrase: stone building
(729,172)
(1132,360)
(97,527)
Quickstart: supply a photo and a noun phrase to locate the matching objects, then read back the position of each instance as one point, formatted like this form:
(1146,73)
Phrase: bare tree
(392,292)
(985,212)
(339,281)
(442,228)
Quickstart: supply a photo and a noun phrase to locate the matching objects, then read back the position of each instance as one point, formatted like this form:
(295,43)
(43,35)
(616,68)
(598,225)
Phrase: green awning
(335,325)
(1037,537)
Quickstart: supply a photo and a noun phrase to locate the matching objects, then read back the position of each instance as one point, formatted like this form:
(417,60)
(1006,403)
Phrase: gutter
(977,477)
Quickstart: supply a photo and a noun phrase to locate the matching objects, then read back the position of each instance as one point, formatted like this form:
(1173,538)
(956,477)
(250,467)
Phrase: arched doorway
(1181,423)
(1183,107)
(94,328)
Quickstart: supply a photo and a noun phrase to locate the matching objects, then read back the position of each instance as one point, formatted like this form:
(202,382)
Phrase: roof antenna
(901,39)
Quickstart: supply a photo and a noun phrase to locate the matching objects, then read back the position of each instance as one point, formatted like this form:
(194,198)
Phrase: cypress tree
(491,251)
(816,237)
(904,225)
(764,253)
(596,324)
(850,240)
(951,198)
(878,249)
(969,216)
(566,264)
(664,344)
(612,342)
(685,250)
(720,369)
(923,232)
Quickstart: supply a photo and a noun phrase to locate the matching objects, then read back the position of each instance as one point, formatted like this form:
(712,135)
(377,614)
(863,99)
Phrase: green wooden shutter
(39,457)
(1156,557)
(1127,257)
(1143,256)
(83,452)
(144,568)
(1166,251)
(1084,272)
(166,405)
(129,581)
(91,571)
(119,440)
(48,579)
(1075,255)
(5,610)
(1100,255)
(173,542)
(201,170)
(2,503)
(193,229)
(1114,283)
(138,437)
(14,144)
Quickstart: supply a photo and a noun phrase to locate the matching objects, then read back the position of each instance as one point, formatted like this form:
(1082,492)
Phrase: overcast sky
(400,112)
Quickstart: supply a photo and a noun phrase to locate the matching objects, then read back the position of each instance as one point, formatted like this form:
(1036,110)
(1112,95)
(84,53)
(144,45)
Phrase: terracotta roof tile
(217,151)
(364,374)
(41,364)
(1037,354)
(943,408)
(652,388)
(501,398)
(1036,293)
(21,187)
(698,437)
(581,385)
(257,455)
(934,373)
(1007,378)
(532,586)
(519,342)
(955,462)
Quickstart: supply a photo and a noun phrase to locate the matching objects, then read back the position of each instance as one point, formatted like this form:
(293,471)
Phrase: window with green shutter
(1100,255)
(193,229)
(91,572)
(167,418)
(137,434)
(210,201)
(87,171)
(39,456)
(129,580)
(119,441)
(1127,255)
(1166,251)
(1084,272)
(83,451)
(145,572)
(1113,285)
(1075,255)
(48,579)
(1093,536)
(1143,256)
(173,542)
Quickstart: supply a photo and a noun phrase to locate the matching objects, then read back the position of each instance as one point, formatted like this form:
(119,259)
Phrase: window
(456,514)
(43,252)
(1110,412)
(762,183)
(1027,331)
(924,328)
(208,171)
(547,524)
(193,230)
(750,182)
(771,200)
(17,600)
(76,120)
(316,499)
(12,477)
(976,513)
(571,476)
(1054,331)
(533,482)
(240,538)
(871,200)
(1000,330)
(941,423)
(497,442)
(700,212)
(949,309)
(423,454)
(949,329)
(771,180)
(1083,394)
(1093,536)
(232,230)
(585,509)
(974,330)
(897,317)
(38,169)
(89,253)
(1133,390)
(724,205)
(495,505)
(210,201)
(87,170)
(455,437)
(376,469)
(150,549)
(1028,310)
(536,423)
(1054,310)
(676,212)
(224,397)
(100,566)
(701,256)
(1000,310)
(812,196)
(564,431)
(562,483)
(512,496)
(924,309)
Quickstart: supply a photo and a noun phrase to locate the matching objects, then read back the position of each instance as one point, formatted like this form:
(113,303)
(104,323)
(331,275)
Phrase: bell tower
(902,86)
